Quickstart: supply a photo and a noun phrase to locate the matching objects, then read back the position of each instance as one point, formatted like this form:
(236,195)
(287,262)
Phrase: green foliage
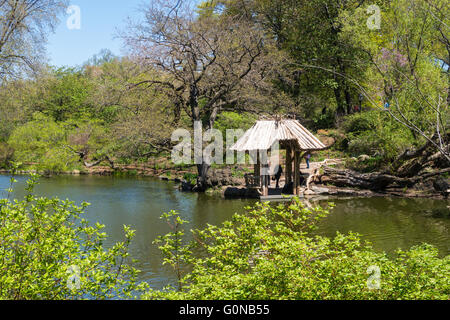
(68,94)
(361,122)
(49,252)
(42,140)
(57,160)
(171,245)
(103,57)
(324,69)
(89,114)
(190,178)
(15,105)
(269,253)
(366,165)
(6,155)
(239,172)
(375,134)
(91,137)
(207,8)
(406,63)
(324,120)
(232,120)
(56,146)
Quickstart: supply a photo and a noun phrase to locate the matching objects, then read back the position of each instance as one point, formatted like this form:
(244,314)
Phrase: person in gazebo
(278,173)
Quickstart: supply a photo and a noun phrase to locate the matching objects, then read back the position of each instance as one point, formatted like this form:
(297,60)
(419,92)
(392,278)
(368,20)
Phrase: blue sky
(99,21)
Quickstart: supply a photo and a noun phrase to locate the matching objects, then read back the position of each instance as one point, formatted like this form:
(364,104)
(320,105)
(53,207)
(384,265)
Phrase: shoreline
(237,190)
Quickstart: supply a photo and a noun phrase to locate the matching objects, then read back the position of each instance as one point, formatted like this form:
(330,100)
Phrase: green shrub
(368,165)
(49,252)
(58,160)
(324,120)
(375,134)
(54,146)
(269,253)
(190,178)
(360,122)
(33,140)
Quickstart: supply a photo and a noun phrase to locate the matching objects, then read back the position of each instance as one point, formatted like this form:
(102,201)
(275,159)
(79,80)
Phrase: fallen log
(316,172)
(372,181)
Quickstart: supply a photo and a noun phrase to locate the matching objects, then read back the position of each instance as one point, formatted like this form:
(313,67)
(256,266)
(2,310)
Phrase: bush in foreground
(269,253)
(49,252)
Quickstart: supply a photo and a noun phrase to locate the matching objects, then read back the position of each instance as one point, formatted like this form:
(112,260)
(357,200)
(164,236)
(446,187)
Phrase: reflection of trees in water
(398,205)
(215,210)
(389,223)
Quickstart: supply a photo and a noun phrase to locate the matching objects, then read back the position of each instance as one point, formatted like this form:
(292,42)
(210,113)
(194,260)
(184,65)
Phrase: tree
(24,25)
(140,119)
(67,93)
(90,140)
(42,141)
(407,74)
(202,64)
(310,31)
(15,108)
(104,56)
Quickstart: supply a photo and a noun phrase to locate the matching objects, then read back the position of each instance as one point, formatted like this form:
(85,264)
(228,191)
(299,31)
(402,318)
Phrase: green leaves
(175,254)
(68,95)
(48,252)
(269,253)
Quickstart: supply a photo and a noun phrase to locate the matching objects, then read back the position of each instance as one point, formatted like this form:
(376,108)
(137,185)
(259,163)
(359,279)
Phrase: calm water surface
(389,223)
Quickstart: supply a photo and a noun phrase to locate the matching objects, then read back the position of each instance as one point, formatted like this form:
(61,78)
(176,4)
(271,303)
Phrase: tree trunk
(343,86)
(375,181)
(203,182)
(348,99)
(340,111)
(413,162)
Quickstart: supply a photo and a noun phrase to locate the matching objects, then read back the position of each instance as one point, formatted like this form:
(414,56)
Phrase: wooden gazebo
(291,136)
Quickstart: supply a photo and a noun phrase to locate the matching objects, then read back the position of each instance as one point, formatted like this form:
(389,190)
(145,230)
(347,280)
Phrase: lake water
(389,223)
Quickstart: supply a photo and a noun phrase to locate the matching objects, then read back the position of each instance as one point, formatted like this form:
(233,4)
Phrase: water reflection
(388,223)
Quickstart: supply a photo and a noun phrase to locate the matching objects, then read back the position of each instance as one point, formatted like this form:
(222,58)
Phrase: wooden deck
(275,195)
(277,198)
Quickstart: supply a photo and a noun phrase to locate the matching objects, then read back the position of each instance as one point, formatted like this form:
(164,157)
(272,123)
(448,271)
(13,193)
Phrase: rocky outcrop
(349,178)
(240,192)
(223,177)
(422,185)
(441,184)
(186,186)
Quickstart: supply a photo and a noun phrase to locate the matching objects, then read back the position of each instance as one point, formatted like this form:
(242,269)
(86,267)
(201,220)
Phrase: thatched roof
(265,133)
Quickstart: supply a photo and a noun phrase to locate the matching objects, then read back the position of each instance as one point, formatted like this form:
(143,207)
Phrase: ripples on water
(389,223)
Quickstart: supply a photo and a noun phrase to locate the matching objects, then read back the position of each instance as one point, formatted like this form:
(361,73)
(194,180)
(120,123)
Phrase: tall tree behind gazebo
(204,63)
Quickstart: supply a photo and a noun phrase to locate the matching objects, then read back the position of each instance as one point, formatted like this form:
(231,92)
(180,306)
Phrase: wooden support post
(265,189)
(257,171)
(299,172)
(264,181)
(264,173)
(288,164)
(296,172)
